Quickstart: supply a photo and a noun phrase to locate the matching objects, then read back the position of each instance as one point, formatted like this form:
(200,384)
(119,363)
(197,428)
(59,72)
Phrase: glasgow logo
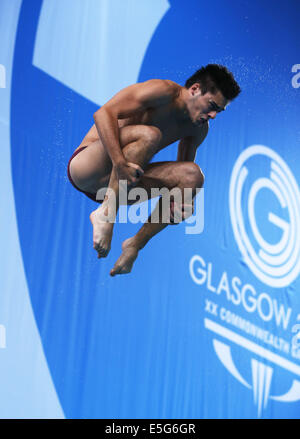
(262,373)
(263,187)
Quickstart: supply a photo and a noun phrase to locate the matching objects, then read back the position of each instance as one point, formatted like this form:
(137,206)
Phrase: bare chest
(163,118)
(166,120)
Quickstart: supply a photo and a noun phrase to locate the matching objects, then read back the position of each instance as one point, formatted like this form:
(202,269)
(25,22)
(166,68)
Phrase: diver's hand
(130,172)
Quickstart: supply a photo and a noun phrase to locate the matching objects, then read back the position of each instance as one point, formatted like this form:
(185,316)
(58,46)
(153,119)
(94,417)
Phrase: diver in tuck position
(129,130)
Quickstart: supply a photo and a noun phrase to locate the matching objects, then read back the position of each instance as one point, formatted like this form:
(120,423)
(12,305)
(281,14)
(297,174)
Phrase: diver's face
(202,107)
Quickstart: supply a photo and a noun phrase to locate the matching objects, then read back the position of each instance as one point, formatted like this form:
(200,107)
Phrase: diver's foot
(125,262)
(102,233)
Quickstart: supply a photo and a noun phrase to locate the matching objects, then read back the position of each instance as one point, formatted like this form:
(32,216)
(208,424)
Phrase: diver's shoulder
(173,85)
(164,86)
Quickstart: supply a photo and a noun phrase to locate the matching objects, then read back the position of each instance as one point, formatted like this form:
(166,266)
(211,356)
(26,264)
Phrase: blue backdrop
(205,326)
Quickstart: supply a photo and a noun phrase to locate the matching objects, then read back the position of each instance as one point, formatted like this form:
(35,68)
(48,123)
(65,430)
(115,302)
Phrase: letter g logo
(275,263)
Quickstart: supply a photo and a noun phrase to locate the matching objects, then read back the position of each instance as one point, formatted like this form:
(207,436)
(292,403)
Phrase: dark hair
(215,77)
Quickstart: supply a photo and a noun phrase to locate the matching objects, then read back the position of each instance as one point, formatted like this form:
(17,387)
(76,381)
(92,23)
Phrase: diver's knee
(193,175)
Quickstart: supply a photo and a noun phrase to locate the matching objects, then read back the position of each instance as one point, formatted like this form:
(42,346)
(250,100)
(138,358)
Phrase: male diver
(129,130)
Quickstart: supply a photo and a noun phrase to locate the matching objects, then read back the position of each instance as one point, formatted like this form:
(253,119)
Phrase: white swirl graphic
(277,265)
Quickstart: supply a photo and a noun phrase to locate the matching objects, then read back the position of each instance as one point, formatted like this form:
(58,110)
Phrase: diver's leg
(158,175)
(143,145)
